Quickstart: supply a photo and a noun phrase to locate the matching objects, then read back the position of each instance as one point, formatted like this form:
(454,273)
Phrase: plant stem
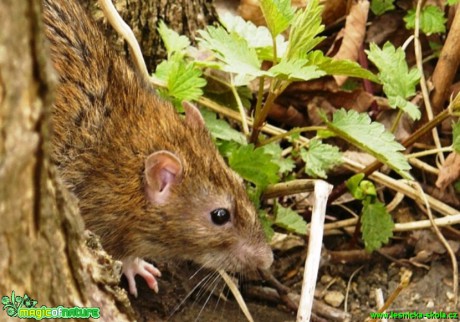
(291,132)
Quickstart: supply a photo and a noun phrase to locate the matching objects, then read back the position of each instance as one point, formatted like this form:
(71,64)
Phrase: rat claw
(137,266)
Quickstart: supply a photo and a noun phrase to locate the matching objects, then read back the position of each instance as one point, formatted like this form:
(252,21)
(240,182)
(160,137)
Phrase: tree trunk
(183,16)
(43,244)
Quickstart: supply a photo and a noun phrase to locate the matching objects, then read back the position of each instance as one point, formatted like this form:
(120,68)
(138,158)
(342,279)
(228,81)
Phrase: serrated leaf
(304,30)
(376,225)
(456,136)
(290,220)
(398,81)
(172,40)
(379,7)
(278,14)
(256,37)
(432,20)
(183,80)
(286,164)
(339,67)
(319,158)
(232,50)
(358,129)
(254,165)
(220,129)
(295,69)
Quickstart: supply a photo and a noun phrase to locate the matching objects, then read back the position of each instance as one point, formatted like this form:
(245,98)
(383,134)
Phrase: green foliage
(359,188)
(183,80)
(432,20)
(278,14)
(285,164)
(371,137)
(376,225)
(290,220)
(295,69)
(339,67)
(304,31)
(319,158)
(379,7)
(398,81)
(174,43)
(456,136)
(452,2)
(254,165)
(266,225)
(232,51)
(220,129)
(256,37)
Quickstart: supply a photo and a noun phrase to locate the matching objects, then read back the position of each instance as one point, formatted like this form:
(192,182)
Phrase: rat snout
(254,256)
(265,258)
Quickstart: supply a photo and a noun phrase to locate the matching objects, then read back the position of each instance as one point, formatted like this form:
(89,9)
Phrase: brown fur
(106,121)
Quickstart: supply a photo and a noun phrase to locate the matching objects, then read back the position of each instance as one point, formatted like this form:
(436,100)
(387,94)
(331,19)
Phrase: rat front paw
(137,266)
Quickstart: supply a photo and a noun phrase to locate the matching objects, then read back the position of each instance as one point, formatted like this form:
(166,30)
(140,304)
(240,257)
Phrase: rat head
(203,206)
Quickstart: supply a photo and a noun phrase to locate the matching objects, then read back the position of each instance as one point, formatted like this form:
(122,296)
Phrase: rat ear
(192,115)
(162,170)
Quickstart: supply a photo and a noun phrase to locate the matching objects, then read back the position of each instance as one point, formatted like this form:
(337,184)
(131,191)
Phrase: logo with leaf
(13,304)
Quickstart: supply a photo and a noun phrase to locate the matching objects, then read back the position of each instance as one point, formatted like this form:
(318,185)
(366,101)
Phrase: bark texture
(183,16)
(43,244)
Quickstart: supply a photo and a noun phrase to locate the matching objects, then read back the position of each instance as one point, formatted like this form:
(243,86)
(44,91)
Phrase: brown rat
(150,183)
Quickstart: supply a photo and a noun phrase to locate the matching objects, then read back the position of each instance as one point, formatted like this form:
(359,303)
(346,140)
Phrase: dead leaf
(353,36)
(449,172)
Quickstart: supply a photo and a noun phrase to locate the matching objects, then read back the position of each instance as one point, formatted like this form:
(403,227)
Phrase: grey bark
(43,244)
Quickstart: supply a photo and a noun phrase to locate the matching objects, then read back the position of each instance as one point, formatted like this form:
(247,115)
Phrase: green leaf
(278,14)
(376,225)
(183,80)
(452,2)
(319,158)
(371,137)
(339,67)
(232,50)
(174,43)
(220,129)
(432,20)
(290,220)
(254,165)
(456,136)
(379,7)
(286,164)
(353,186)
(295,69)
(304,31)
(398,81)
(266,225)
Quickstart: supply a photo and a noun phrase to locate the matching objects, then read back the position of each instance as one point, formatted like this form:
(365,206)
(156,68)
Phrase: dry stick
(125,31)
(322,190)
(423,86)
(446,68)
(443,240)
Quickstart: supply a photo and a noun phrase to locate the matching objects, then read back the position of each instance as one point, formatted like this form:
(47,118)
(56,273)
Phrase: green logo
(23,307)
(13,304)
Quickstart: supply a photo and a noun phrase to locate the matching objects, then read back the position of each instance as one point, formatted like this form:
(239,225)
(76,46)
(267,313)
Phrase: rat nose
(265,259)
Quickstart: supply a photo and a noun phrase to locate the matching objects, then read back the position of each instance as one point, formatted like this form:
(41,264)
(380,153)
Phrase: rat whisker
(178,306)
(216,283)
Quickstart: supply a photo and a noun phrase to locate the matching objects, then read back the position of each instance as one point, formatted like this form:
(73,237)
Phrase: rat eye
(220,216)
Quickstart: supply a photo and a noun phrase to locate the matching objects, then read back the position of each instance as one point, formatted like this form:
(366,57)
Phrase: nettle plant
(232,56)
